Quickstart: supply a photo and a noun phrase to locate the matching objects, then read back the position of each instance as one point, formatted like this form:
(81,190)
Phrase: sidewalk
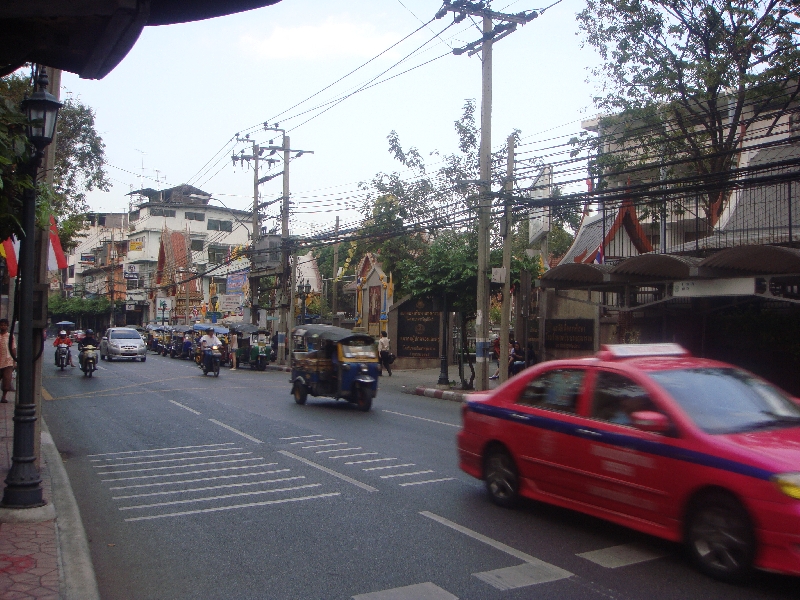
(43,551)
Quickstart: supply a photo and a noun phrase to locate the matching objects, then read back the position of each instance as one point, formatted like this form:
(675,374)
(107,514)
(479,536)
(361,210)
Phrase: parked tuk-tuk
(334,362)
(176,348)
(254,346)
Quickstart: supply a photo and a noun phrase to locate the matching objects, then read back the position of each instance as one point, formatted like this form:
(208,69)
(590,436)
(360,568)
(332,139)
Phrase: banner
(230,302)
(236,282)
(135,246)
(87,259)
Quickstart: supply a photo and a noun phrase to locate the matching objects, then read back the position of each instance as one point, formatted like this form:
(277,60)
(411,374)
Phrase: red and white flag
(56,258)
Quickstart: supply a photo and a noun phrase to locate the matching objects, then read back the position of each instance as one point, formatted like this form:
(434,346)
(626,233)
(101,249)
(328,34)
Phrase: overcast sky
(184,91)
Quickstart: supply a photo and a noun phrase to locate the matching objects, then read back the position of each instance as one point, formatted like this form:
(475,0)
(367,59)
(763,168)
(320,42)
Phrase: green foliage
(14,153)
(676,74)
(75,307)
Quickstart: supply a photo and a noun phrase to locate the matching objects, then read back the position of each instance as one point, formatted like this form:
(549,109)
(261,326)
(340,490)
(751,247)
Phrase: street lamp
(304,290)
(23,483)
(163,307)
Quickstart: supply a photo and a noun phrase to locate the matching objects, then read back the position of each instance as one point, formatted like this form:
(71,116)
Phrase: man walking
(384,354)
(7,361)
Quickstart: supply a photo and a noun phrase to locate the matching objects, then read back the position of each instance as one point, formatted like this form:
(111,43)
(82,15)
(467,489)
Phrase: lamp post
(163,307)
(303,290)
(23,483)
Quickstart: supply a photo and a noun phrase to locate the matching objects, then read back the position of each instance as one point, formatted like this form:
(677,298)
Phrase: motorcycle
(62,356)
(211,360)
(89,362)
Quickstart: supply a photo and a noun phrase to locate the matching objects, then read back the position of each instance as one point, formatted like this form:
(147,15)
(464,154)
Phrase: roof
(329,332)
(184,193)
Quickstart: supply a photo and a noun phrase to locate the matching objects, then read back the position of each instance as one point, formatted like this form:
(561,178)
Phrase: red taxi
(644,435)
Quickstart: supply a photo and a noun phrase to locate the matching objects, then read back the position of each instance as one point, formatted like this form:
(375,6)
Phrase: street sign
(230,302)
(131,271)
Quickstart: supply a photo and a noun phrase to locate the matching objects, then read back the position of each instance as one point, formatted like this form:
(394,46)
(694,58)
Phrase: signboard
(131,271)
(740,286)
(230,302)
(236,283)
(569,334)
(130,306)
(87,259)
(539,217)
(135,246)
(418,329)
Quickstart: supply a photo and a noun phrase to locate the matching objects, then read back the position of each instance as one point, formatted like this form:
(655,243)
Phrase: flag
(8,250)
(55,257)
(598,255)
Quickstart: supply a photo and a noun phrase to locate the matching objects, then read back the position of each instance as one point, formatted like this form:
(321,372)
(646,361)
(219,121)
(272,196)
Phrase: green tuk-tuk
(254,346)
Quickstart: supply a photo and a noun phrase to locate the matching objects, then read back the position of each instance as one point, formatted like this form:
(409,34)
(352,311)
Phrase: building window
(221,283)
(197,245)
(217,225)
(217,254)
(195,216)
(162,212)
(134,215)
(71,271)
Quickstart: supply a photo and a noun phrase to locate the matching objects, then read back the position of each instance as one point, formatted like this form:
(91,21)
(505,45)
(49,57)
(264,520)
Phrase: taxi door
(626,470)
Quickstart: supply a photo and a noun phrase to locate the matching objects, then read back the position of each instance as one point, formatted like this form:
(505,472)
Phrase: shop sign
(131,271)
(87,259)
(230,302)
(569,334)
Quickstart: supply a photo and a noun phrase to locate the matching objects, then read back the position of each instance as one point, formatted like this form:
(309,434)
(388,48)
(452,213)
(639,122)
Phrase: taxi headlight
(789,484)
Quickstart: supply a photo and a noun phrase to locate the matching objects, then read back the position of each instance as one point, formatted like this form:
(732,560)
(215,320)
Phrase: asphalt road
(202,487)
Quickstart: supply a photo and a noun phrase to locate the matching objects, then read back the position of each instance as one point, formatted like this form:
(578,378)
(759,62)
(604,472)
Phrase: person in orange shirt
(63,338)
(7,362)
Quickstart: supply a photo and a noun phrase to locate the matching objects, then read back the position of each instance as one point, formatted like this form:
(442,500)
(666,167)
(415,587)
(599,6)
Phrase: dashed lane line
(406,474)
(310,463)
(207,488)
(369,460)
(427,481)
(241,433)
(222,497)
(420,418)
(161,449)
(387,467)
(167,460)
(163,455)
(182,481)
(338,450)
(297,437)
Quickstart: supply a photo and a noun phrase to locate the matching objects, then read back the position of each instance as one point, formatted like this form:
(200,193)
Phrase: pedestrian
(384,355)
(233,348)
(496,350)
(516,361)
(7,361)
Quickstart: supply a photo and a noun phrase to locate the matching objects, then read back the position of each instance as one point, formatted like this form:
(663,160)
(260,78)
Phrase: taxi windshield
(725,400)
(357,349)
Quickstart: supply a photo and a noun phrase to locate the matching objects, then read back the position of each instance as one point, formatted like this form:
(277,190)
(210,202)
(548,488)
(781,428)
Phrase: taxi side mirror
(651,421)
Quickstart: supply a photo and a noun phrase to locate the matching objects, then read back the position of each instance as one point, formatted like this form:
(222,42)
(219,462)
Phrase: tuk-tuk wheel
(300,393)
(262,364)
(363,399)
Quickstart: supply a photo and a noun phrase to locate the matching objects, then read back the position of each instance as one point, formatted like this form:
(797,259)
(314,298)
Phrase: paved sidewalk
(43,551)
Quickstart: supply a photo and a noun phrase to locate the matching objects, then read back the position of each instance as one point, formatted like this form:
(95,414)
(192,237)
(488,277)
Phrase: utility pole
(491,34)
(505,231)
(335,300)
(111,260)
(254,281)
(283,320)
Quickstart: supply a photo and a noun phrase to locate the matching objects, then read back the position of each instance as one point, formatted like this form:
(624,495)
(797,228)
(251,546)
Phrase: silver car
(122,342)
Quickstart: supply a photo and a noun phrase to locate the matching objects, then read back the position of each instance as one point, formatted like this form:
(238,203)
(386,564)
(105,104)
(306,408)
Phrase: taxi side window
(616,397)
(554,390)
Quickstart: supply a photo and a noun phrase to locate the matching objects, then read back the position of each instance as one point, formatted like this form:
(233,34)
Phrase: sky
(169,112)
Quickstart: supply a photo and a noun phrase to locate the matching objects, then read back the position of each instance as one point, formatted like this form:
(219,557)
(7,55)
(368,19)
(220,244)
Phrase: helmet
(89,332)
(210,330)
(62,332)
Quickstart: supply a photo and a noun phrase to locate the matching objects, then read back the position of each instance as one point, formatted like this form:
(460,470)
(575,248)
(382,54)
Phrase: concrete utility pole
(491,34)
(335,300)
(505,317)
(254,281)
(111,261)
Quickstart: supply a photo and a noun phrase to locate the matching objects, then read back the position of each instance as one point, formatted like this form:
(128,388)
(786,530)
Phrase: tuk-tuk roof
(329,332)
(244,328)
(207,326)
(181,328)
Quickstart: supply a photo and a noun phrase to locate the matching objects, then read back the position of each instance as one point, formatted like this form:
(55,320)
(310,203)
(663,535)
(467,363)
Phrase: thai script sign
(569,334)
(418,329)
(236,282)
(230,302)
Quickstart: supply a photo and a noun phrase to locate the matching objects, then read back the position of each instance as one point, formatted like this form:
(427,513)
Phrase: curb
(421,390)
(79,581)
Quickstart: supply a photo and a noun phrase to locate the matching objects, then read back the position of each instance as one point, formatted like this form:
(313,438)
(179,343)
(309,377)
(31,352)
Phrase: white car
(122,342)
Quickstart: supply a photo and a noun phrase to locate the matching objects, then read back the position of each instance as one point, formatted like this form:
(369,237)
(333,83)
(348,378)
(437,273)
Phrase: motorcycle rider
(88,340)
(63,338)
(208,340)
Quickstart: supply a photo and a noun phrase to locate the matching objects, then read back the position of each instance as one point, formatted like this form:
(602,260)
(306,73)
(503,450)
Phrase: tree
(685,81)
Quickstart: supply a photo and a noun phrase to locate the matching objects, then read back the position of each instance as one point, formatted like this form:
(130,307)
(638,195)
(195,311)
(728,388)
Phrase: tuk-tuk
(334,362)
(254,347)
(157,340)
(176,348)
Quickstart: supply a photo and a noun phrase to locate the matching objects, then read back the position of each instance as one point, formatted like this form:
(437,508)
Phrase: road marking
(221,508)
(522,575)
(338,450)
(187,472)
(159,455)
(218,462)
(405,474)
(371,460)
(241,433)
(386,467)
(223,497)
(323,445)
(428,481)
(312,441)
(124,387)
(419,591)
(297,437)
(622,556)
(363,486)
(46,395)
(142,485)
(353,455)
(420,418)
(493,543)
(183,406)
(210,487)
(166,460)
(161,449)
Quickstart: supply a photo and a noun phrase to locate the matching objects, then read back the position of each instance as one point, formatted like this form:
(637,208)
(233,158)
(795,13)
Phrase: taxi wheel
(300,393)
(502,481)
(720,538)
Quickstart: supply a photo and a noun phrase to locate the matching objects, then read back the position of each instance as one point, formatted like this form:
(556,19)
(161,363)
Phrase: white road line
(622,556)
(161,449)
(183,406)
(406,474)
(323,445)
(297,437)
(216,462)
(241,433)
(153,462)
(338,450)
(142,485)
(187,472)
(210,487)
(524,575)
(489,541)
(420,418)
(160,455)
(310,463)
(419,591)
(386,467)
(235,506)
(353,455)
(371,460)
(313,441)
(223,497)
(428,481)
